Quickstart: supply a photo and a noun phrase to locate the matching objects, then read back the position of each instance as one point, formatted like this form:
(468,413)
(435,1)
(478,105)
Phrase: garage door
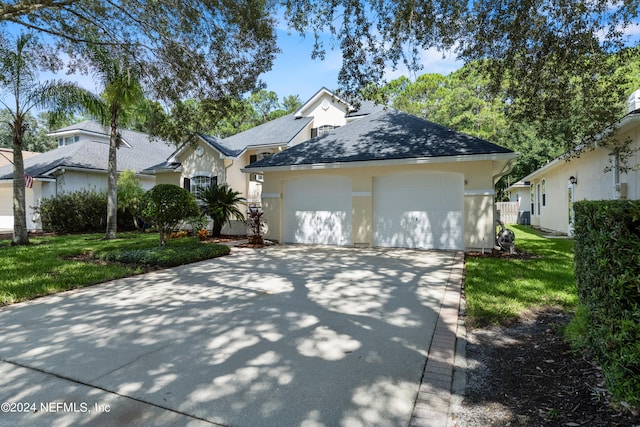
(6,207)
(419,210)
(317,210)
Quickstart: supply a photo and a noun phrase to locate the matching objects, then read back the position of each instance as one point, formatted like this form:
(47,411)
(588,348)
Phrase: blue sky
(295,73)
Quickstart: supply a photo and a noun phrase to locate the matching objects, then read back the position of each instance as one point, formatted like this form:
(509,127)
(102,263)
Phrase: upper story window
(319,131)
(255,157)
(68,140)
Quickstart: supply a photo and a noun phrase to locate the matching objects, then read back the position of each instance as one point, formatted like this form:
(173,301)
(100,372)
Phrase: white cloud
(432,61)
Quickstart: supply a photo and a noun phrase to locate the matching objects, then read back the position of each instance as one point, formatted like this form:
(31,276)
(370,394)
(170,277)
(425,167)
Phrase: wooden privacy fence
(508,212)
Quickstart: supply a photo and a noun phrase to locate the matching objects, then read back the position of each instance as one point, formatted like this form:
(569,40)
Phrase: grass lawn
(499,289)
(47,266)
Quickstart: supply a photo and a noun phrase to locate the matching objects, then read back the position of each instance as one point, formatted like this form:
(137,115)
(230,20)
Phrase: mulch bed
(494,253)
(526,374)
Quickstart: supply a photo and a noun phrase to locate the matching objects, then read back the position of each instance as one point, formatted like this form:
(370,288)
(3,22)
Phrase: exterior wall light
(573,180)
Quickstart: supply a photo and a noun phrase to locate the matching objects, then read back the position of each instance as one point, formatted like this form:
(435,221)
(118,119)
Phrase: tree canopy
(465,102)
(548,58)
(187,48)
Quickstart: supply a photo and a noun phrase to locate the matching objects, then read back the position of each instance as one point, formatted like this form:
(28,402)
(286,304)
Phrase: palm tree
(20,61)
(122,90)
(220,202)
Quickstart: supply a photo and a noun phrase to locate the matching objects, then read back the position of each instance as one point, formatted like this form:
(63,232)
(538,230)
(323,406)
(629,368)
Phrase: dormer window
(68,140)
(319,131)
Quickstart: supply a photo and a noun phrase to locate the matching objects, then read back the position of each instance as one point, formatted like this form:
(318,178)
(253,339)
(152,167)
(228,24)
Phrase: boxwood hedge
(607,271)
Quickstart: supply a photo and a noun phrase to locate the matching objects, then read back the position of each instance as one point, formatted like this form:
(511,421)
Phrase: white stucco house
(557,185)
(330,173)
(205,159)
(388,179)
(79,162)
(337,174)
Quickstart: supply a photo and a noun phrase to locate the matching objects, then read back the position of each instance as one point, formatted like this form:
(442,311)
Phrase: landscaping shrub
(83,211)
(165,205)
(197,223)
(178,252)
(607,270)
(78,212)
(130,194)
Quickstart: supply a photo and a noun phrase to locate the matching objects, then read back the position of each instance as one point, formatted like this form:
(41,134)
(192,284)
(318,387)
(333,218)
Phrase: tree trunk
(112,183)
(20,233)
(216,228)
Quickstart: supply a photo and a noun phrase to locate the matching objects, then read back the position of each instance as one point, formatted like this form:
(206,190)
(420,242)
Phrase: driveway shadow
(280,336)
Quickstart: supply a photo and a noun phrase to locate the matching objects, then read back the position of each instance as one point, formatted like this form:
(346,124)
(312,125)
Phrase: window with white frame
(195,183)
(538,202)
(324,129)
(68,140)
(544,192)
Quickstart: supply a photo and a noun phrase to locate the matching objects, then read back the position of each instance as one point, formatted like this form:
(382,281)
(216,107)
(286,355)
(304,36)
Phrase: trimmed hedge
(83,211)
(607,270)
(178,252)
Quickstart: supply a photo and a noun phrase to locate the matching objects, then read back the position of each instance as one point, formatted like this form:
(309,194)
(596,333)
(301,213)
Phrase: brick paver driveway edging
(434,396)
(283,336)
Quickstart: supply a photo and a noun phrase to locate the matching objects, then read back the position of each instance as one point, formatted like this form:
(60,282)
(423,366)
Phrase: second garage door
(419,210)
(317,210)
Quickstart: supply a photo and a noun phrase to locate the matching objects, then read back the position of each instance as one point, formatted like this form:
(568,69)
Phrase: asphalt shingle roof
(93,155)
(383,135)
(275,132)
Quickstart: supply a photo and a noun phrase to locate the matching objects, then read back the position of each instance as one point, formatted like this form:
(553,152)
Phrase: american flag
(28,180)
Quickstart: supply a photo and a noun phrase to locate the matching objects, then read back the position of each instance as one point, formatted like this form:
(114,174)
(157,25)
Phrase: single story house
(206,159)
(388,179)
(79,162)
(557,185)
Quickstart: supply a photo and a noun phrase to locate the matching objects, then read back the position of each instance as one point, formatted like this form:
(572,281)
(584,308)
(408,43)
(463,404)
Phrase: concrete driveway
(283,336)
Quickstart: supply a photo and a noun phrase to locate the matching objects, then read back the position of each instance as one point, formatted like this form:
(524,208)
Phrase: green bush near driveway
(165,205)
(54,264)
(608,280)
(180,251)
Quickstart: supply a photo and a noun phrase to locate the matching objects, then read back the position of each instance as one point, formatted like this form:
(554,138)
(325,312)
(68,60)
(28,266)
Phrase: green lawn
(499,289)
(44,267)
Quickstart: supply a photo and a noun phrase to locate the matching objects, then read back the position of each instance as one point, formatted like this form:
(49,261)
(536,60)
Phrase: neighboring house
(204,159)
(79,162)
(520,202)
(6,156)
(557,185)
(389,179)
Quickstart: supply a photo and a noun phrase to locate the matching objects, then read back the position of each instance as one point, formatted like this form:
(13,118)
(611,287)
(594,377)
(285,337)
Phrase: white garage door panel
(419,210)
(6,207)
(317,210)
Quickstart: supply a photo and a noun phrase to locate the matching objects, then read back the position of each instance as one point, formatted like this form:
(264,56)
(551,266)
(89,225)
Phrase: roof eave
(153,171)
(387,162)
(298,114)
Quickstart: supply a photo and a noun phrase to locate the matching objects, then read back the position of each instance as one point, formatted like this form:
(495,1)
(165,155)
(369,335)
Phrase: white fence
(508,212)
